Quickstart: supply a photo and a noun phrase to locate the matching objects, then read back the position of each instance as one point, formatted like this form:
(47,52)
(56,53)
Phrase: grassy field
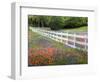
(44,51)
(79,29)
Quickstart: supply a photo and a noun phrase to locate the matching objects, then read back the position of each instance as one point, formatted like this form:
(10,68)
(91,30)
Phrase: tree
(75,22)
(56,23)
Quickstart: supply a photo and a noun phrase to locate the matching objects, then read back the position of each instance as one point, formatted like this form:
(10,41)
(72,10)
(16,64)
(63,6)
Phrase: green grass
(34,38)
(79,29)
(65,55)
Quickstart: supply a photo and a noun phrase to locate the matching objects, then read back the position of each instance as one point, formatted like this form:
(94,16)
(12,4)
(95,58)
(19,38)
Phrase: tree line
(57,22)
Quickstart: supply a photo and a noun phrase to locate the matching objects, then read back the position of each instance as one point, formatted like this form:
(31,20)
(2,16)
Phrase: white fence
(77,40)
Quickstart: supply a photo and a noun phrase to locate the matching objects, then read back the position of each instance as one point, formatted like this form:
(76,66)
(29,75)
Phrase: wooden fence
(77,40)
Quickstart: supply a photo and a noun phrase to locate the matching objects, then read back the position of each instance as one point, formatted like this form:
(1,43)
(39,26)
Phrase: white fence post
(85,42)
(75,40)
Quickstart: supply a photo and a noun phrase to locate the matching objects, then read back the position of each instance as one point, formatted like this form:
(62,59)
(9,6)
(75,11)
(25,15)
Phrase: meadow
(43,51)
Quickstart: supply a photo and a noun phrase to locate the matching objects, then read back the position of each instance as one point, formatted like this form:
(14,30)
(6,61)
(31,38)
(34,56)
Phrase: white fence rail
(77,40)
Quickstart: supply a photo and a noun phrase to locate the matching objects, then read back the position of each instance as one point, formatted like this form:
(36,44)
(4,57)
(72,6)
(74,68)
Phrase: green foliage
(57,22)
(74,22)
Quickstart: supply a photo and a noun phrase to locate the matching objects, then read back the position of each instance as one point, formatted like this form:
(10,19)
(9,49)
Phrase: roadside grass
(61,54)
(32,39)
